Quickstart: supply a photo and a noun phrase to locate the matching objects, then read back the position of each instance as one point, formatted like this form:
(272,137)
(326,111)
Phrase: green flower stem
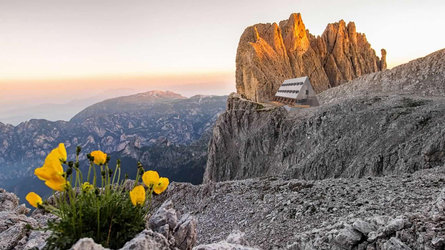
(89,171)
(98,220)
(102,177)
(94,178)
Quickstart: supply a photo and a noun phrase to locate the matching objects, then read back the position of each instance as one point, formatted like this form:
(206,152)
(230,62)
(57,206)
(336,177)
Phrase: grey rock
(22,209)
(36,239)
(235,241)
(223,246)
(147,239)
(395,244)
(87,244)
(11,236)
(164,219)
(364,227)
(348,237)
(237,237)
(185,232)
(8,201)
(395,225)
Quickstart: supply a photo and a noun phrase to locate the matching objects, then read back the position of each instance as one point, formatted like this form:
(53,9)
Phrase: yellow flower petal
(99,157)
(57,183)
(33,199)
(161,186)
(86,186)
(50,169)
(44,174)
(58,153)
(137,195)
(61,150)
(150,178)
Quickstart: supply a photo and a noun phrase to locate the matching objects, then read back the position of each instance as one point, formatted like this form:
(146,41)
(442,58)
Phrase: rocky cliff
(363,135)
(270,53)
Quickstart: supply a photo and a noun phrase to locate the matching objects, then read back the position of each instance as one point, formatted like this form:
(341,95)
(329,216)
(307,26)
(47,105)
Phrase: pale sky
(67,45)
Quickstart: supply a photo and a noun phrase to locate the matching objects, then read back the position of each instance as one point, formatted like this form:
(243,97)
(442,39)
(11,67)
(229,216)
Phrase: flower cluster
(96,207)
(154,183)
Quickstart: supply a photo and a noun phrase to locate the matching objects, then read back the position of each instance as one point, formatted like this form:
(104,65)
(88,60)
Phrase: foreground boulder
(15,226)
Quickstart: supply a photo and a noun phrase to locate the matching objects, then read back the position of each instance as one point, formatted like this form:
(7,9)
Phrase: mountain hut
(297,92)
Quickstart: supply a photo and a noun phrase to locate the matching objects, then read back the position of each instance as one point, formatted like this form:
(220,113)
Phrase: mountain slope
(424,77)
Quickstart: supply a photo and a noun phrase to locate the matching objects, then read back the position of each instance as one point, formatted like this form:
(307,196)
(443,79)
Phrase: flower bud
(140,165)
(78,149)
(69,171)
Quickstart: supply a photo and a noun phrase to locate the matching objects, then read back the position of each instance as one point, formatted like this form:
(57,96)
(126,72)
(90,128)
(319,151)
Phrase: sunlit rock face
(270,53)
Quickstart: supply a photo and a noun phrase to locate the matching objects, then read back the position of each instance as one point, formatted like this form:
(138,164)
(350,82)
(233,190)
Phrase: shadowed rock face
(270,53)
(367,136)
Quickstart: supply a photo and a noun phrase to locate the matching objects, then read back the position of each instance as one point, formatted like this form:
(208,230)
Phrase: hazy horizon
(57,52)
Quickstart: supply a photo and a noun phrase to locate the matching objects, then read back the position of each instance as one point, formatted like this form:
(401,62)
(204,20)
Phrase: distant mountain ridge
(128,103)
(131,127)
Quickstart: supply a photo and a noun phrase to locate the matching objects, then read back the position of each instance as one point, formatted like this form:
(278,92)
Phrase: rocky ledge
(405,211)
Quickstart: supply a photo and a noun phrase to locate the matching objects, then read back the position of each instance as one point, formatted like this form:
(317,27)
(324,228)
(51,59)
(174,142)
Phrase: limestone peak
(270,53)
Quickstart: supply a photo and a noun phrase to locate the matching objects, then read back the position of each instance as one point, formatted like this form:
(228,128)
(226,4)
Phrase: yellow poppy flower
(33,199)
(86,186)
(161,186)
(99,157)
(150,178)
(137,195)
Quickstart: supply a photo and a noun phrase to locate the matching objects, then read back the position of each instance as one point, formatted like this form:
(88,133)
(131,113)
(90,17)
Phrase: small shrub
(98,207)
